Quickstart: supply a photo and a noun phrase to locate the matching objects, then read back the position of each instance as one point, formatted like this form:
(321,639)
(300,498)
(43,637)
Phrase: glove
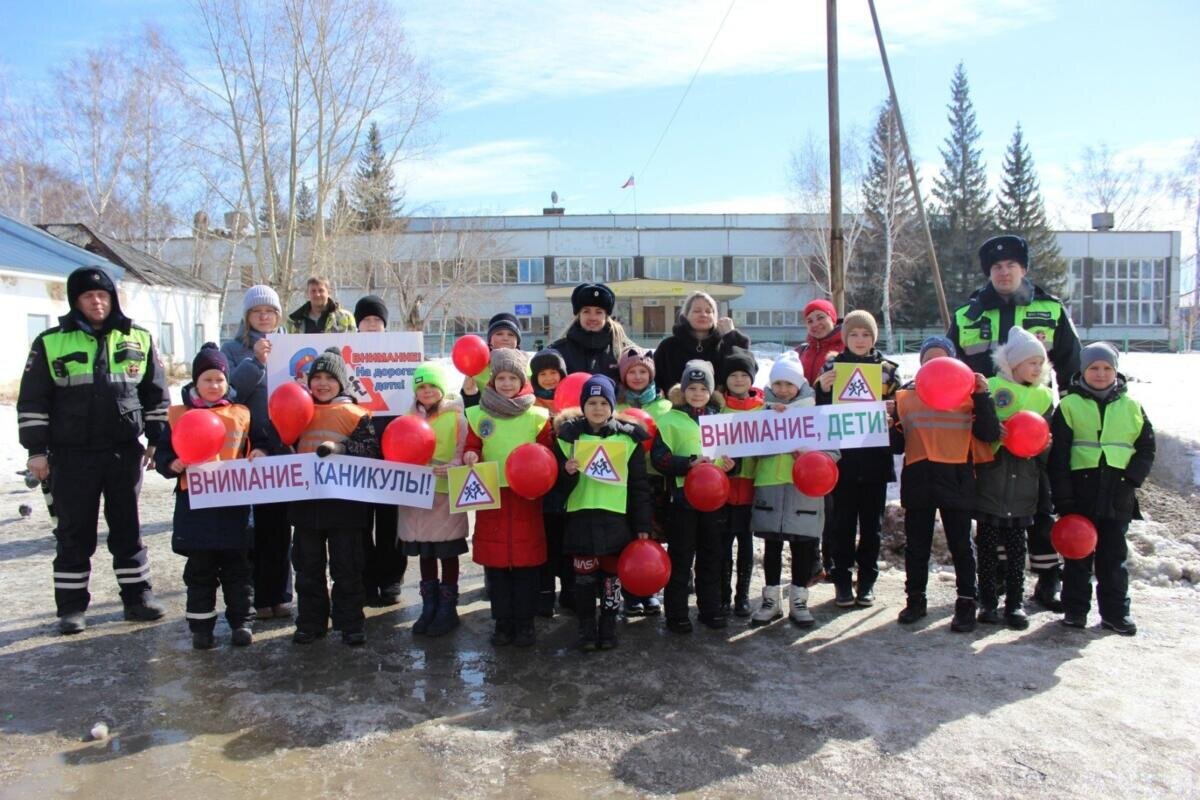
(329,448)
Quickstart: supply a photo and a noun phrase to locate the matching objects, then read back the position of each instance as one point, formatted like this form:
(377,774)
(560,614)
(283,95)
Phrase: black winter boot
(1014,615)
(606,638)
(545,605)
(843,594)
(526,635)
(203,640)
(1046,590)
(429,606)
(585,610)
(913,610)
(726,586)
(741,595)
(445,619)
(964,615)
(504,632)
(988,613)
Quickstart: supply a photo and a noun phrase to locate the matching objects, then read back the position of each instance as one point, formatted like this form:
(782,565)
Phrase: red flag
(627,183)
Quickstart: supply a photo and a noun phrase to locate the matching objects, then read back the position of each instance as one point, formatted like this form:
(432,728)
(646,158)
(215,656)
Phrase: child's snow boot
(800,615)
(964,615)
(429,605)
(913,610)
(771,608)
(445,618)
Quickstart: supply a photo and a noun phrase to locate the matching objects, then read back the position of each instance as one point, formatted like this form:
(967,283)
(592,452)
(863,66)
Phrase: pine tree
(375,202)
(344,217)
(1020,210)
(306,211)
(962,218)
(269,198)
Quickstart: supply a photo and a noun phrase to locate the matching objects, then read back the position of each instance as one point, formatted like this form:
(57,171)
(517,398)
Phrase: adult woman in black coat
(697,334)
(594,341)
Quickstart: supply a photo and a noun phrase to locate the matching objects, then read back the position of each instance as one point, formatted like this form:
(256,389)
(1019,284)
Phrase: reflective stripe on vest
(943,437)
(445,428)
(1114,439)
(71,356)
(1040,317)
(235,418)
(1010,397)
(590,494)
(681,434)
(501,436)
(330,423)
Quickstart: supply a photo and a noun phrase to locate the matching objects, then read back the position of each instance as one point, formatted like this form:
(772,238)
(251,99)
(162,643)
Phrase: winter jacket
(926,483)
(741,482)
(864,465)
(982,325)
(593,352)
(1105,491)
(599,532)
(437,524)
(675,466)
(1009,490)
(248,379)
(681,347)
(340,514)
(333,320)
(815,352)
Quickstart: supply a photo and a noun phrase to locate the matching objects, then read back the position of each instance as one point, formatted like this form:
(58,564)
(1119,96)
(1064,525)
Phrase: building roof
(140,265)
(25,248)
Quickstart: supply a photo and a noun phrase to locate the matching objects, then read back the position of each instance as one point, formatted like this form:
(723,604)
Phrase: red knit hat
(821,304)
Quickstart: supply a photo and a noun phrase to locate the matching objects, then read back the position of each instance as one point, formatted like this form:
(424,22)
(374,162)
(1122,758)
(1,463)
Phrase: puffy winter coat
(862,465)
(248,379)
(587,351)
(815,352)
(681,347)
(1008,488)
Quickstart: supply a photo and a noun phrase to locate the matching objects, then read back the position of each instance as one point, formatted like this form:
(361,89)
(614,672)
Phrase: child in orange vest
(215,541)
(338,427)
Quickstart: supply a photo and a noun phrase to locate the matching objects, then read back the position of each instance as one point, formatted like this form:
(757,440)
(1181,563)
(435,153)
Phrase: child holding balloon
(1103,450)
(503,331)
(435,536)
(215,541)
(602,510)
(1009,488)
(736,378)
(782,514)
(510,541)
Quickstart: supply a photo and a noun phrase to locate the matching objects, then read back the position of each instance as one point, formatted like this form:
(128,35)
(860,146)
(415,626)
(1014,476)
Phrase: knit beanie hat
(430,374)
(548,358)
(370,306)
(599,386)
(788,368)
(507,359)
(738,359)
(501,322)
(821,304)
(860,319)
(1021,346)
(941,342)
(209,357)
(261,295)
(698,371)
(1003,248)
(331,363)
(88,279)
(632,357)
(1098,351)
(593,294)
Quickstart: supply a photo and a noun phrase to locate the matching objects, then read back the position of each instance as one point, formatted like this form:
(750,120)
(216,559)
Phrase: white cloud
(491,169)
(487,52)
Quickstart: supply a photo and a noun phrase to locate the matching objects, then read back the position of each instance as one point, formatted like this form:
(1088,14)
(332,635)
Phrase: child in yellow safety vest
(435,536)
(736,379)
(339,427)
(1009,488)
(215,541)
(604,468)
(1102,451)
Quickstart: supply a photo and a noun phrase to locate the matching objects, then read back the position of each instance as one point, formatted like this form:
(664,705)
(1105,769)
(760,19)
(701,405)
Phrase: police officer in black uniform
(92,386)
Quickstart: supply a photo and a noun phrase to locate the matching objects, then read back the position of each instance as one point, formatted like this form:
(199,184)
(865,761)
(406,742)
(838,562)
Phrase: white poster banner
(277,479)
(765,433)
(380,365)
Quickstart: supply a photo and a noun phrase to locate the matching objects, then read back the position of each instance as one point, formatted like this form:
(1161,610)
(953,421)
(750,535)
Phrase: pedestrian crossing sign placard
(606,462)
(857,383)
(474,488)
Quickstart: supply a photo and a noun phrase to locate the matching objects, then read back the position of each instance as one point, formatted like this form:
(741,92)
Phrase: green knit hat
(430,373)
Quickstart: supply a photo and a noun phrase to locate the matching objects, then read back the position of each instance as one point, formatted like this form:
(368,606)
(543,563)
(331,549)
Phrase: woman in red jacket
(824,338)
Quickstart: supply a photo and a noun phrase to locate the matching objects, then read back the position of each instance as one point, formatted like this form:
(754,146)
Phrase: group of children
(955,467)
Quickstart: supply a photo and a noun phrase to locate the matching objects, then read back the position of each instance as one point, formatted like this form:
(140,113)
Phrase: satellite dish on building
(553,198)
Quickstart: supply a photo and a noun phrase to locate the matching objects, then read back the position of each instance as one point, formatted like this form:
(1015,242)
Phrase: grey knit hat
(261,295)
(506,359)
(1098,351)
(697,371)
(331,363)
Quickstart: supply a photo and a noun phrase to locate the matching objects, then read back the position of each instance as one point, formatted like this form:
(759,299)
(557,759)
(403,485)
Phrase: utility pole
(837,265)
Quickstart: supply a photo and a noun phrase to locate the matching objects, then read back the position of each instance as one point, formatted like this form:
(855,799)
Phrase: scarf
(643,398)
(1099,394)
(543,394)
(503,407)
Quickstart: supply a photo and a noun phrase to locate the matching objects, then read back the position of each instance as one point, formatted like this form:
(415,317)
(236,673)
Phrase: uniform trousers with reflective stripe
(203,572)
(78,479)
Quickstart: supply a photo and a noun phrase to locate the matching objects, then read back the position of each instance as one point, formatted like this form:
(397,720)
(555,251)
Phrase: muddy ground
(858,707)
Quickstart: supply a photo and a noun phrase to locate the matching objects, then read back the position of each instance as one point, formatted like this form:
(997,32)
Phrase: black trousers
(1112,578)
(737,529)
(345,560)
(557,565)
(513,592)
(78,479)
(827,546)
(272,555)
(988,538)
(203,572)
(1042,555)
(385,564)
(857,509)
(804,555)
(918,534)
(694,537)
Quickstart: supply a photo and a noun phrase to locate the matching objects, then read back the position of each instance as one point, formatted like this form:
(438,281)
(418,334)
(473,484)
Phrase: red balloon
(646,421)
(815,473)
(470,355)
(944,383)
(1074,536)
(706,487)
(566,394)
(1026,434)
(531,470)
(197,436)
(290,408)
(408,440)
(643,568)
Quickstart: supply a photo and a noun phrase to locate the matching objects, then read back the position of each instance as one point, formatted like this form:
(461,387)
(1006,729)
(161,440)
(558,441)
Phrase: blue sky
(572,96)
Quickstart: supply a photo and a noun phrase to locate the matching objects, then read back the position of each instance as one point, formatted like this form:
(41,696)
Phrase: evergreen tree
(1020,210)
(345,216)
(306,211)
(374,200)
(962,218)
(264,217)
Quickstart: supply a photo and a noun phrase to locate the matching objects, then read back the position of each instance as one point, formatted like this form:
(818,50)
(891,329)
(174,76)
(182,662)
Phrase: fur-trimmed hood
(676,397)
(570,424)
(1000,357)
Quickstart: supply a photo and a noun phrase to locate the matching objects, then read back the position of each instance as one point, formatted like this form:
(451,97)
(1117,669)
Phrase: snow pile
(1157,559)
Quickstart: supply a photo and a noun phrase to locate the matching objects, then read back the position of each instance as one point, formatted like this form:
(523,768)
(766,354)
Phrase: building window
(198,336)
(590,269)
(702,269)
(1075,288)
(767,318)
(1129,291)
(512,270)
(35,324)
(766,269)
(166,339)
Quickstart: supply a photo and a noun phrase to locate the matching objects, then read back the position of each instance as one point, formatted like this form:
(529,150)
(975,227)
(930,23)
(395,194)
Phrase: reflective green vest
(590,494)
(445,428)
(773,470)
(502,436)
(1010,397)
(1040,317)
(71,356)
(655,409)
(1114,439)
(681,434)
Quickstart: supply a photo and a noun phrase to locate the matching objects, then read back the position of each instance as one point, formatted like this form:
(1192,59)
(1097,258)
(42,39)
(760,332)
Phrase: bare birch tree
(1123,187)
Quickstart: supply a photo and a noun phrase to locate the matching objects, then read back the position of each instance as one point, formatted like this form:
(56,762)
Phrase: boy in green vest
(1103,449)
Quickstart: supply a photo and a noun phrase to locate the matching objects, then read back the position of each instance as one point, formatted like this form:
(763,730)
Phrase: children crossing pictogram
(601,468)
(857,389)
(474,492)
